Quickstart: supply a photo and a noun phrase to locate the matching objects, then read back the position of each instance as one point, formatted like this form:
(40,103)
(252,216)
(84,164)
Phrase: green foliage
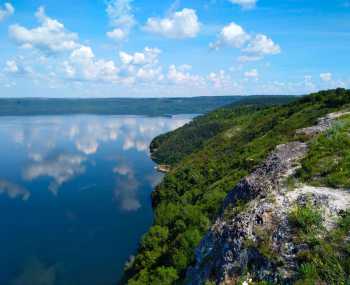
(206,167)
(328,258)
(161,276)
(306,218)
(328,160)
(170,148)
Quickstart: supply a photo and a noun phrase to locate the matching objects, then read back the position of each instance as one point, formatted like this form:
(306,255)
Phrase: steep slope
(190,197)
(172,147)
(271,231)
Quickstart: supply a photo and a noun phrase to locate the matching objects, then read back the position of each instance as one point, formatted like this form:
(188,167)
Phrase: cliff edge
(259,234)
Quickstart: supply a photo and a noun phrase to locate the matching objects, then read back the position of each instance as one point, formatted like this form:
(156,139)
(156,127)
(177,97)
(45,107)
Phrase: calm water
(74,196)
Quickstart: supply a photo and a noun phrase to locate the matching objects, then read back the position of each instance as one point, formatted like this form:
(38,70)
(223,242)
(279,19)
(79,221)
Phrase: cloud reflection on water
(61,169)
(125,191)
(13,190)
(36,273)
(43,137)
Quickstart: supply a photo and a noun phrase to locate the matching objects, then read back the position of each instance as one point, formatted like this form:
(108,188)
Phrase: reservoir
(75,195)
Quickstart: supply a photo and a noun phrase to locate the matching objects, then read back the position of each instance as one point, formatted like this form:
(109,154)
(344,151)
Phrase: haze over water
(74,195)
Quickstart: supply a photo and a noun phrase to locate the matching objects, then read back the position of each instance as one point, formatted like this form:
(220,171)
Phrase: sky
(140,48)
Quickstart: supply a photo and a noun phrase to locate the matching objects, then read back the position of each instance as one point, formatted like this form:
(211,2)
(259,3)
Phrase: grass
(327,261)
(328,160)
(306,218)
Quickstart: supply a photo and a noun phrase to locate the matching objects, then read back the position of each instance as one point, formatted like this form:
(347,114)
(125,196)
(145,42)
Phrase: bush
(306,218)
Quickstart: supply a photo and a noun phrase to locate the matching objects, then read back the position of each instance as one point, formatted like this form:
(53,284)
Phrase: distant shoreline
(119,106)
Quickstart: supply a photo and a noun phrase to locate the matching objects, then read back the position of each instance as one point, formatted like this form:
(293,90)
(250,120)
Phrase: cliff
(256,194)
(255,236)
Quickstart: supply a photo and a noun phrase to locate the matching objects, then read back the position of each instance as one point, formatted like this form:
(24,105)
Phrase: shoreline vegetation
(208,157)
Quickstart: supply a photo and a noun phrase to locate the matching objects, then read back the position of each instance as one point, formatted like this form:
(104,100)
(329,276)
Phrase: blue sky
(125,48)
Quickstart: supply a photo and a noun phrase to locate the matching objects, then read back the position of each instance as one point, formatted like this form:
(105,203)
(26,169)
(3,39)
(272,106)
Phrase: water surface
(74,196)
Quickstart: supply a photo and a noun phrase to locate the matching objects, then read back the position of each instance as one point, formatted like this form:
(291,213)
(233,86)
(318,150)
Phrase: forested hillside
(210,155)
(172,147)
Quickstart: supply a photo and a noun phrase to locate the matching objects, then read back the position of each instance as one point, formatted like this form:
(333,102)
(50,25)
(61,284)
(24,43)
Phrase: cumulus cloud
(220,79)
(262,45)
(121,19)
(13,190)
(179,25)
(50,37)
(83,65)
(148,56)
(6,11)
(253,47)
(11,66)
(14,67)
(181,75)
(246,4)
(326,77)
(117,34)
(141,65)
(251,73)
(232,35)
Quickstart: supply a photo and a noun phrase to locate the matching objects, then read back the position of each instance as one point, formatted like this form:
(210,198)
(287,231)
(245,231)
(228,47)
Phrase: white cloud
(121,18)
(7,11)
(231,35)
(149,74)
(248,58)
(179,25)
(220,79)
(253,47)
(246,4)
(251,73)
(11,66)
(148,56)
(180,76)
(262,45)
(17,67)
(50,37)
(326,76)
(83,65)
(117,34)
(141,65)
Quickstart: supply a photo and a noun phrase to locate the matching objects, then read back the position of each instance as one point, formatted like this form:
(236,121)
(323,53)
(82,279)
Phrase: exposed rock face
(267,177)
(323,124)
(253,235)
(224,253)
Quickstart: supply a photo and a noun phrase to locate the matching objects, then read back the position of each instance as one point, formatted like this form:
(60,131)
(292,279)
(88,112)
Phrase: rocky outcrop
(264,179)
(163,168)
(224,254)
(253,236)
(323,124)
